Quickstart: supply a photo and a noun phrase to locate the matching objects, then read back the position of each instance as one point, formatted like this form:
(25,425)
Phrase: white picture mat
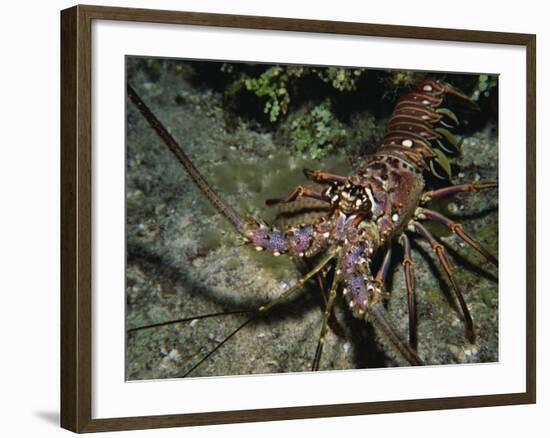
(113,397)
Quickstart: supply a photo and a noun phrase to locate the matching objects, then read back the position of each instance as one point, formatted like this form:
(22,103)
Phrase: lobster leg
(459,188)
(333,322)
(409,281)
(324,177)
(298,192)
(438,249)
(326,316)
(377,315)
(384,268)
(456,228)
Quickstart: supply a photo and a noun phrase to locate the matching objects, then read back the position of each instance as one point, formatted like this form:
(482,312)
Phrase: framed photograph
(268,218)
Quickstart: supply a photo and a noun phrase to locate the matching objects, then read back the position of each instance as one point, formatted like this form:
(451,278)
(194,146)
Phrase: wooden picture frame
(76,218)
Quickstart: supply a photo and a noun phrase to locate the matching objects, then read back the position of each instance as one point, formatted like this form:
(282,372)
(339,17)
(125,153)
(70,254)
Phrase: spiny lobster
(383,201)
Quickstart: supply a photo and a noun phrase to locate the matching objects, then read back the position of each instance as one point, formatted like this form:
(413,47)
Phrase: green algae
(316,131)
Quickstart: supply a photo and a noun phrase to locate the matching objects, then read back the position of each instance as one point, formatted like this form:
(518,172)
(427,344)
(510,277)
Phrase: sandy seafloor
(183,259)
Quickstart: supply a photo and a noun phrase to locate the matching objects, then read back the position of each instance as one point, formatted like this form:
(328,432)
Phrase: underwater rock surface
(183,259)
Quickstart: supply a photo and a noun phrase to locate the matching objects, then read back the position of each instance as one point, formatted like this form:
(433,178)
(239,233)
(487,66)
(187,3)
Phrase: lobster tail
(417,124)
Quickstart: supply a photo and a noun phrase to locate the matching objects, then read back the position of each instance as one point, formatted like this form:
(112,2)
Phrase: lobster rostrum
(382,201)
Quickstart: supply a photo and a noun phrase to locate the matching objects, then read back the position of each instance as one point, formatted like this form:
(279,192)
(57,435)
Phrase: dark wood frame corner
(76,222)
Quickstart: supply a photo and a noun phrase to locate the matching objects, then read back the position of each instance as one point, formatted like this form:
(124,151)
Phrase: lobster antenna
(217,347)
(192,318)
(379,320)
(219,204)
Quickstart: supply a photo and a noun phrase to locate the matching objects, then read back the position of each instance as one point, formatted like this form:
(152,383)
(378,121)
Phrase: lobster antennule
(237,220)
